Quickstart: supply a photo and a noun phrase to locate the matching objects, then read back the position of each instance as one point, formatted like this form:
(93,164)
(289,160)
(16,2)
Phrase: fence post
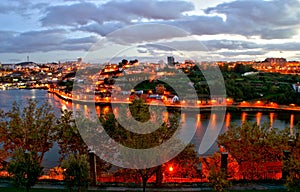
(224,162)
(93,171)
(286,157)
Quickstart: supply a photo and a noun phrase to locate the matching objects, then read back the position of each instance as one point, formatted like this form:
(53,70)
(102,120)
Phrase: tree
(252,145)
(140,112)
(25,168)
(291,165)
(3,153)
(76,173)
(218,179)
(30,128)
(69,139)
(185,163)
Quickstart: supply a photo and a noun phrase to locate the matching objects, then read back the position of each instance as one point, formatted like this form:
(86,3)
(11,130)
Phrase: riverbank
(207,107)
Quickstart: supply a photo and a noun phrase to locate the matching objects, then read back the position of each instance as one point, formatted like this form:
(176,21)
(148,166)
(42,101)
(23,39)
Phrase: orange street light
(244,103)
(229,101)
(171,169)
(259,103)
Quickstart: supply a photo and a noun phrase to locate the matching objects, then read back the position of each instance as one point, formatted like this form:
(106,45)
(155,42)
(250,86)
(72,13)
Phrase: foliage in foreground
(291,165)
(76,172)
(252,146)
(218,180)
(25,169)
(186,161)
(31,128)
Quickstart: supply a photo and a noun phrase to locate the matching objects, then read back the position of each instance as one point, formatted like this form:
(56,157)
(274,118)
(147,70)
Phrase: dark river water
(198,121)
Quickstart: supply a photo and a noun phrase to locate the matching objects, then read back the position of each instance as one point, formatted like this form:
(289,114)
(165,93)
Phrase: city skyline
(98,31)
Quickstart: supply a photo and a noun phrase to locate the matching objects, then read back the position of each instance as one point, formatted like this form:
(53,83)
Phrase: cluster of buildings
(32,75)
(278,65)
(269,65)
(102,81)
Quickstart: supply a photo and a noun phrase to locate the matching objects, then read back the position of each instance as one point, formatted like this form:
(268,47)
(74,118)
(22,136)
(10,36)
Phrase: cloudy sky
(99,30)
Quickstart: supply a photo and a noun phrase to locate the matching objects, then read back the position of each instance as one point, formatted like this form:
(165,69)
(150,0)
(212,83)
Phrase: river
(190,119)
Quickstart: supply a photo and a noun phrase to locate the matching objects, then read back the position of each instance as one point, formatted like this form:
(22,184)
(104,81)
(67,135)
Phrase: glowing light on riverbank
(165,116)
(258,118)
(98,110)
(213,122)
(271,119)
(244,115)
(227,120)
(292,122)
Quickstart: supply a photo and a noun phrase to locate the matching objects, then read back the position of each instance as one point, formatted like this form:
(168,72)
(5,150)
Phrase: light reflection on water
(189,119)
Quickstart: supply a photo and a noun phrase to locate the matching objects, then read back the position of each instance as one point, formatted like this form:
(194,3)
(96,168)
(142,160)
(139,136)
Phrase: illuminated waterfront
(190,119)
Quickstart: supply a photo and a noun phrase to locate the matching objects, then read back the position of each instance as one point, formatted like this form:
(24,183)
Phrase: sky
(149,30)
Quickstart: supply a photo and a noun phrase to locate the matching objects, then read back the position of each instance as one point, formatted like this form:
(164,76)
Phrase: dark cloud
(120,11)
(123,22)
(21,7)
(148,32)
(278,33)
(275,12)
(241,53)
(5,36)
(274,19)
(210,45)
(42,41)
(269,19)
(103,29)
(230,45)
(157,46)
(200,25)
(150,9)
(292,46)
(4,9)
(74,14)
(83,40)
(224,48)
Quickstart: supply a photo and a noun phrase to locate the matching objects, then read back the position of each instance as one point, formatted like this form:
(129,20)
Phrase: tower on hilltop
(171,60)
